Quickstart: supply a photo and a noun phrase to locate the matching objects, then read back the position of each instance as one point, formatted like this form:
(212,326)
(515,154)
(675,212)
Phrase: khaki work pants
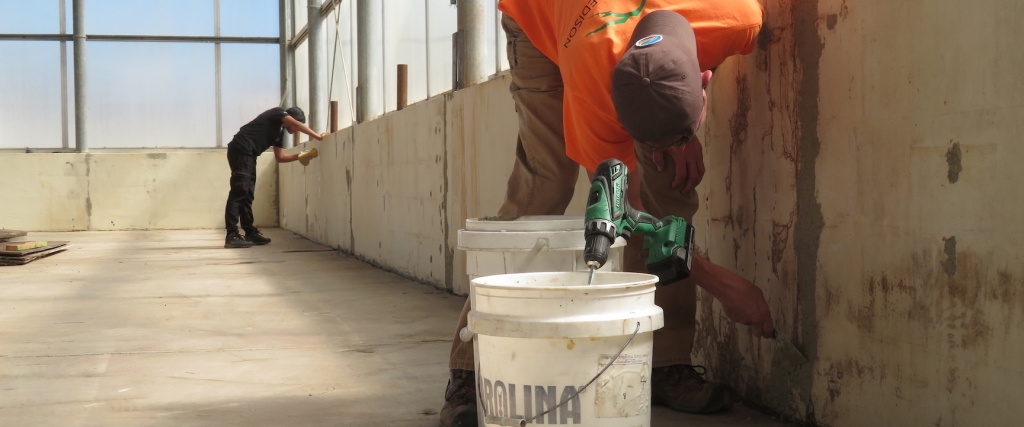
(543,180)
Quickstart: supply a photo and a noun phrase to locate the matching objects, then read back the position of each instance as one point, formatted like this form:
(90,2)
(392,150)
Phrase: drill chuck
(599,235)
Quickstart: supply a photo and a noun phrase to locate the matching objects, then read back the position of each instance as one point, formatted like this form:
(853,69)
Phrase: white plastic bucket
(529,244)
(541,337)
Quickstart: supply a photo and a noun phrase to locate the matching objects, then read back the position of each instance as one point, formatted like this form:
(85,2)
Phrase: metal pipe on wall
(317,67)
(403,87)
(472,22)
(78,18)
(370,36)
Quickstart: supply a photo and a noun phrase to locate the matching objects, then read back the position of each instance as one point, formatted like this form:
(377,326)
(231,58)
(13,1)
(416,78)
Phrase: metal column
(78,18)
(64,79)
(217,79)
(317,67)
(284,27)
(426,24)
(370,39)
(472,22)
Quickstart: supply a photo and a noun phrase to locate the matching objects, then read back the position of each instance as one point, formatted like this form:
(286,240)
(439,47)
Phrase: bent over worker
(600,79)
(265,131)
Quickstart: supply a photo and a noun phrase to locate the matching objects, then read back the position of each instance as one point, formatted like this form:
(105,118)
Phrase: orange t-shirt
(586,38)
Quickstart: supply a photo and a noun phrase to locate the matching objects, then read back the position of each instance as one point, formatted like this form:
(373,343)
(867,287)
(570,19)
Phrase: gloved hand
(305,156)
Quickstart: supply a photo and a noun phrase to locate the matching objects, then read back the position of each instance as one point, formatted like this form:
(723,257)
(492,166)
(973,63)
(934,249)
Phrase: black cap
(656,85)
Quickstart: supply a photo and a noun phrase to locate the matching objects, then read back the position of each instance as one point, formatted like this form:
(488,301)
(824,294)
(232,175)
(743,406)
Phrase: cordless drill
(669,241)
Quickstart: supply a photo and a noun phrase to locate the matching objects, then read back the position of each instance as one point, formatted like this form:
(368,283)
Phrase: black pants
(243,191)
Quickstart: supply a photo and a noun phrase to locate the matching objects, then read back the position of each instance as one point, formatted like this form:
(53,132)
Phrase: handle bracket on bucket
(520,422)
(466,335)
(537,247)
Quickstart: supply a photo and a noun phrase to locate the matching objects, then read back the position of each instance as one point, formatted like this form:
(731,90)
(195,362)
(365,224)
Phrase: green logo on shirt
(620,18)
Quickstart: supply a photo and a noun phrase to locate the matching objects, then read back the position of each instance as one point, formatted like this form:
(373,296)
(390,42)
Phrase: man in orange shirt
(600,79)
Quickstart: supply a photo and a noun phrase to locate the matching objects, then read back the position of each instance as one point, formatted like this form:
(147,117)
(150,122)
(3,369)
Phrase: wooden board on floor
(49,245)
(6,235)
(22,260)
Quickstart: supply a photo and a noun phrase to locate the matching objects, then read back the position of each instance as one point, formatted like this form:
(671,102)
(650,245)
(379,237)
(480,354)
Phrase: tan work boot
(683,389)
(460,400)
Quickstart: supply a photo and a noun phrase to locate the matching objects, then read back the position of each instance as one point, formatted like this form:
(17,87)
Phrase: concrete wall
(862,170)
(125,191)
(397,196)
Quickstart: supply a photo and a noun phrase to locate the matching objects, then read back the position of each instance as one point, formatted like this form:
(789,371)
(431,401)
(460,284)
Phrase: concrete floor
(167,328)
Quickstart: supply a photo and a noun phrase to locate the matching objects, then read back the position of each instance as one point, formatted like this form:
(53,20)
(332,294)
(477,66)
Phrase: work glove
(305,156)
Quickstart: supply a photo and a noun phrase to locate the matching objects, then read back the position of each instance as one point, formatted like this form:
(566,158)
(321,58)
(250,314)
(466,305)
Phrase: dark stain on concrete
(780,240)
(738,129)
(951,378)
(809,222)
(764,40)
(738,122)
(764,37)
(88,191)
(1006,291)
(956,307)
(831,20)
(832,298)
(954,158)
(157,156)
(864,316)
(349,172)
(956,312)
(719,343)
(448,250)
(849,370)
(949,265)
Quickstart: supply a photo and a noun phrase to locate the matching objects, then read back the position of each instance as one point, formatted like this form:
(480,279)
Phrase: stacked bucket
(551,349)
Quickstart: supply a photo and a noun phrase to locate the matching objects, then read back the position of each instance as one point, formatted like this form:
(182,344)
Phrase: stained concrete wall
(179,189)
(861,171)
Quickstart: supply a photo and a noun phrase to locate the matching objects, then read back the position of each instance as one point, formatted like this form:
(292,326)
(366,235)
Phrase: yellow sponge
(306,155)
(23,246)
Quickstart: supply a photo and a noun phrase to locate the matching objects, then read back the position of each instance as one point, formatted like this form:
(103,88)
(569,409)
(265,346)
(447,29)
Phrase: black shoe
(683,388)
(460,400)
(235,240)
(256,238)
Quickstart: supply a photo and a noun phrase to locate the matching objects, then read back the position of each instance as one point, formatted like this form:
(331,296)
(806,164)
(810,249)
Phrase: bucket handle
(519,422)
(541,244)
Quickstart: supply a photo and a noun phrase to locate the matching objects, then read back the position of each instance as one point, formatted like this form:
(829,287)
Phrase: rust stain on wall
(954,159)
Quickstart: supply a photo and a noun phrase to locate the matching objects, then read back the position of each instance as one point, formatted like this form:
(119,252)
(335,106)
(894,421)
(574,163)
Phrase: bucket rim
(528,223)
(642,280)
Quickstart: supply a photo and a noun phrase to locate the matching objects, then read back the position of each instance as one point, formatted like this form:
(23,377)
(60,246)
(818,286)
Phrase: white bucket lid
(560,232)
(562,305)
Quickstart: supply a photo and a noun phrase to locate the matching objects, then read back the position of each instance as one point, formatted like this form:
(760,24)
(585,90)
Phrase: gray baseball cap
(656,85)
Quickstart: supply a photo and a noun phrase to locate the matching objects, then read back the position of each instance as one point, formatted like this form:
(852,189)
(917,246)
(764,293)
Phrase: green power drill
(669,241)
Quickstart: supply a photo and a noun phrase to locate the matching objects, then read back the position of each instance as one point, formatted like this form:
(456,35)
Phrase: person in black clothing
(265,131)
